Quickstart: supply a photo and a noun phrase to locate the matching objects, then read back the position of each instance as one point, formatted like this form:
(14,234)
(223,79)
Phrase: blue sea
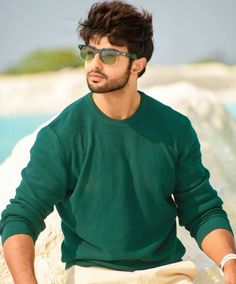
(15,127)
(231,109)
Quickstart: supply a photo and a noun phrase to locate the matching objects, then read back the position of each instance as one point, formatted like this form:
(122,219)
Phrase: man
(119,167)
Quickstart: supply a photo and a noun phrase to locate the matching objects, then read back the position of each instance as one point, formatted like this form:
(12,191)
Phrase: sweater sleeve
(199,206)
(44,183)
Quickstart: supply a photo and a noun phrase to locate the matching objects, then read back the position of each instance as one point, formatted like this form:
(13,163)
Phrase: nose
(96,62)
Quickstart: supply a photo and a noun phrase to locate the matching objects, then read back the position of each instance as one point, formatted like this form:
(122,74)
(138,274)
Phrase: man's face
(102,78)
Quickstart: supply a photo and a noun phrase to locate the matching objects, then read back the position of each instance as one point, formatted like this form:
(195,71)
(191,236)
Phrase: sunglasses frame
(100,50)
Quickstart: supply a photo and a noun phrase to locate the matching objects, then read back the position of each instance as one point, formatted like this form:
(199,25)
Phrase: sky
(184,30)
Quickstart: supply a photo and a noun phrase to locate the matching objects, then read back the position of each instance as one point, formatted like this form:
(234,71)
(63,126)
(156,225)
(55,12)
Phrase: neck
(119,104)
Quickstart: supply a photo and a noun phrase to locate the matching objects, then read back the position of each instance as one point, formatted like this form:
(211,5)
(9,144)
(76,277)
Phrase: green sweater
(118,186)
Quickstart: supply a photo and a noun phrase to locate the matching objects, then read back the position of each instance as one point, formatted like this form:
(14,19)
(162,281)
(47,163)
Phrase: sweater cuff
(211,225)
(15,228)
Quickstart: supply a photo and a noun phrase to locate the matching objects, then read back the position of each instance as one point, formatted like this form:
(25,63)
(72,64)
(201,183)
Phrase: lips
(95,76)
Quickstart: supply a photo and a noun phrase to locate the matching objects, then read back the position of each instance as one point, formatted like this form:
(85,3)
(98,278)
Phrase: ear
(138,65)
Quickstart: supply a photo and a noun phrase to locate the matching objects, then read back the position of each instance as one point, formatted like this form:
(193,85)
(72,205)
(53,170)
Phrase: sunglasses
(108,56)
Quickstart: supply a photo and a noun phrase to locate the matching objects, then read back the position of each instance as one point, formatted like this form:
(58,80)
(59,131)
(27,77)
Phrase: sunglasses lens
(109,57)
(86,53)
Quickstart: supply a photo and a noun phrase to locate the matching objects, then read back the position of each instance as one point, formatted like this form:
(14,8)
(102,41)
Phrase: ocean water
(231,108)
(15,127)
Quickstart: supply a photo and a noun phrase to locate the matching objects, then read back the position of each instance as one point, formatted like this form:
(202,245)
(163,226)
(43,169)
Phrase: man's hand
(217,245)
(230,272)
(19,255)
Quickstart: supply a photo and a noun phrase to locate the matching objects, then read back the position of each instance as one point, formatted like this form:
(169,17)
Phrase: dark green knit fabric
(118,186)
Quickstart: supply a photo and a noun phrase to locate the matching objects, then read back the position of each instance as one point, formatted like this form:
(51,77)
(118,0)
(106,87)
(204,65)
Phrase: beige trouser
(182,272)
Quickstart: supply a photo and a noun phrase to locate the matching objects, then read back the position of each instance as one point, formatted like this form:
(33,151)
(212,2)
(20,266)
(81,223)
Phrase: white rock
(216,131)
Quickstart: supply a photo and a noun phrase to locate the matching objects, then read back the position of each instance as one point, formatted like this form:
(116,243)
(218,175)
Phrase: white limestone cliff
(217,133)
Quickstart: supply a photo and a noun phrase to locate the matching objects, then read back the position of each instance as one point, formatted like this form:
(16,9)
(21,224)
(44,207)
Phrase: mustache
(97,73)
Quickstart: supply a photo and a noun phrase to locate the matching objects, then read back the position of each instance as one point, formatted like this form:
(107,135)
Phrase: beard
(109,85)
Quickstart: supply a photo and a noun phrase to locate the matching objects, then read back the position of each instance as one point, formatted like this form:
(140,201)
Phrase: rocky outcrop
(217,133)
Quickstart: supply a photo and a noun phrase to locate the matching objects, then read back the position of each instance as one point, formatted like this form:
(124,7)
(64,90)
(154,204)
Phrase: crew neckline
(117,122)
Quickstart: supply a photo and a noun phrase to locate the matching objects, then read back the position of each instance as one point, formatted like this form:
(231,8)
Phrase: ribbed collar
(116,122)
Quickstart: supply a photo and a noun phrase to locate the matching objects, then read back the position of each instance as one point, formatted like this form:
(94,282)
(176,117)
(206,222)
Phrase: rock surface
(196,97)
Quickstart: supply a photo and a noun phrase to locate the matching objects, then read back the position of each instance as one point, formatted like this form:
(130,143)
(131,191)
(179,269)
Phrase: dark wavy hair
(123,24)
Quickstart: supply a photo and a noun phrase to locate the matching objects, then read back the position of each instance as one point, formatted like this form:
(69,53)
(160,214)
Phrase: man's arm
(44,183)
(199,206)
(218,244)
(19,255)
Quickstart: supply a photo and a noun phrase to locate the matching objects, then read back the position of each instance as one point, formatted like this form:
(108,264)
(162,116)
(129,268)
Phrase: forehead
(103,42)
